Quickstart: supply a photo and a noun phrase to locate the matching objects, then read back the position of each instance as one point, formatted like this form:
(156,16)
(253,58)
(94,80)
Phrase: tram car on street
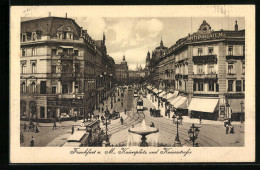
(140,105)
(135,93)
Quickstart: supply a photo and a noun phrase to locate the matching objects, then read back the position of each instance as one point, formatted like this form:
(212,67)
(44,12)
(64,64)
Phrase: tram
(135,93)
(140,105)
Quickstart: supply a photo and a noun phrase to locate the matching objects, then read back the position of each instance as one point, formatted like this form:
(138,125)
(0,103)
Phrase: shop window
(230,50)
(200,51)
(33,87)
(53,69)
(230,85)
(43,87)
(34,67)
(53,51)
(200,86)
(211,86)
(34,51)
(200,69)
(23,52)
(244,85)
(230,69)
(23,87)
(243,68)
(53,89)
(211,51)
(238,85)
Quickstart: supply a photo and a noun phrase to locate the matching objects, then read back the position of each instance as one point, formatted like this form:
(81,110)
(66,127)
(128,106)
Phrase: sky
(133,37)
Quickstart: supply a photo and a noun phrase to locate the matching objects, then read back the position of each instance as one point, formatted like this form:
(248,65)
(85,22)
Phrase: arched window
(23,87)
(33,67)
(33,87)
(23,68)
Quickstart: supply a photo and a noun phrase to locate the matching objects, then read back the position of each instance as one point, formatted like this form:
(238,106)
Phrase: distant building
(122,72)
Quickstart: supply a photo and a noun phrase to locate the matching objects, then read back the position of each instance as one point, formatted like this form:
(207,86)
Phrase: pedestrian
(72,129)
(25,127)
(54,125)
(102,109)
(200,119)
(125,111)
(232,129)
(75,117)
(21,137)
(99,108)
(59,119)
(36,129)
(227,129)
(32,142)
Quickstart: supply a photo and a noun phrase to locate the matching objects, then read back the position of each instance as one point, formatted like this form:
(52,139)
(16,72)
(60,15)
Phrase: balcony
(68,56)
(231,75)
(67,96)
(205,59)
(235,57)
(178,76)
(205,76)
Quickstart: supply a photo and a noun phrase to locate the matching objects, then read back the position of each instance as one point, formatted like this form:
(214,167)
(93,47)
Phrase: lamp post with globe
(193,134)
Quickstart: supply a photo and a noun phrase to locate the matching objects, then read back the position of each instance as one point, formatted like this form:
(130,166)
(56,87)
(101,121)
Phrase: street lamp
(106,117)
(193,134)
(177,142)
(242,111)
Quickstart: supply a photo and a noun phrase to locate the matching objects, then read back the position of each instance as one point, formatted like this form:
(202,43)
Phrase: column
(59,87)
(73,87)
(57,112)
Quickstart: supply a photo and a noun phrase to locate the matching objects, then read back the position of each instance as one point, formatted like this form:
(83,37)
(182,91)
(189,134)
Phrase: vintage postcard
(132,84)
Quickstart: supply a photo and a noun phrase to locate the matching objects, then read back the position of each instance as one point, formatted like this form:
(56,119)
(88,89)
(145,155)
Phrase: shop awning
(66,46)
(172,96)
(175,100)
(182,103)
(235,105)
(203,104)
(162,94)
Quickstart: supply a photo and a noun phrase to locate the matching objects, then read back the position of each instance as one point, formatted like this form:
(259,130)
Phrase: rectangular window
(34,51)
(211,69)
(53,69)
(211,51)
(76,89)
(244,85)
(23,68)
(200,69)
(64,35)
(194,86)
(211,86)
(200,51)
(230,68)
(243,68)
(76,52)
(217,87)
(230,50)
(23,52)
(34,36)
(24,38)
(200,86)
(53,89)
(238,86)
(243,50)
(43,87)
(230,85)
(53,51)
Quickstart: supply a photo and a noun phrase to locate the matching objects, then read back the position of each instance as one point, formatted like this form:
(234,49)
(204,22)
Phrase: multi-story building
(210,72)
(122,72)
(138,75)
(58,68)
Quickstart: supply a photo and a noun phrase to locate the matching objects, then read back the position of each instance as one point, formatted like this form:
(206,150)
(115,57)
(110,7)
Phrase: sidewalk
(187,119)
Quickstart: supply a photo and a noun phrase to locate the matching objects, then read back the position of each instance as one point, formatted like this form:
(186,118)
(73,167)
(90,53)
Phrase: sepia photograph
(86,82)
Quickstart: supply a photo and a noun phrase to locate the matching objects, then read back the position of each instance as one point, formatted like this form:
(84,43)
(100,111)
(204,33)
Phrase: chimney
(236,26)
(65,15)
(49,14)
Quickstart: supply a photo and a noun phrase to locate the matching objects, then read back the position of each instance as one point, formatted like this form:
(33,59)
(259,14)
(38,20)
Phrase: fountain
(143,130)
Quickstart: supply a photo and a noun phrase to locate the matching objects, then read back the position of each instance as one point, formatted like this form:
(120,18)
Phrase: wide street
(211,134)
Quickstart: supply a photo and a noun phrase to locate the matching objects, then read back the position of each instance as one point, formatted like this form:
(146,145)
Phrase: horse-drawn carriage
(155,112)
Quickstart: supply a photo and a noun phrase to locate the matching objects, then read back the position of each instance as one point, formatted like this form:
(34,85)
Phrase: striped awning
(162,94)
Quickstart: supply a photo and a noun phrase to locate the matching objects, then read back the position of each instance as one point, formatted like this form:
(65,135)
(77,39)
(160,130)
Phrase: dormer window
(34,36)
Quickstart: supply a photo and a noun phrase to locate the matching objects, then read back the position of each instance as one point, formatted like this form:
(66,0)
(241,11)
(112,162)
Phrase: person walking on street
(72,129)
(102,109)
(200,119)
(125,111)
(32,142)
(232,129)
(227,129)
(54,125)
(59,119)
(36,129)
(25,127)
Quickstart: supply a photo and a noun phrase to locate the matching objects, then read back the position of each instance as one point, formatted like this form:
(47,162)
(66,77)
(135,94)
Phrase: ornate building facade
(60,68)
(122,74)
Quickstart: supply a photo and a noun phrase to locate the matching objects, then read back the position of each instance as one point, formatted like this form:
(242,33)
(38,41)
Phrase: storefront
(180,104)
(236,106)
(205,108)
